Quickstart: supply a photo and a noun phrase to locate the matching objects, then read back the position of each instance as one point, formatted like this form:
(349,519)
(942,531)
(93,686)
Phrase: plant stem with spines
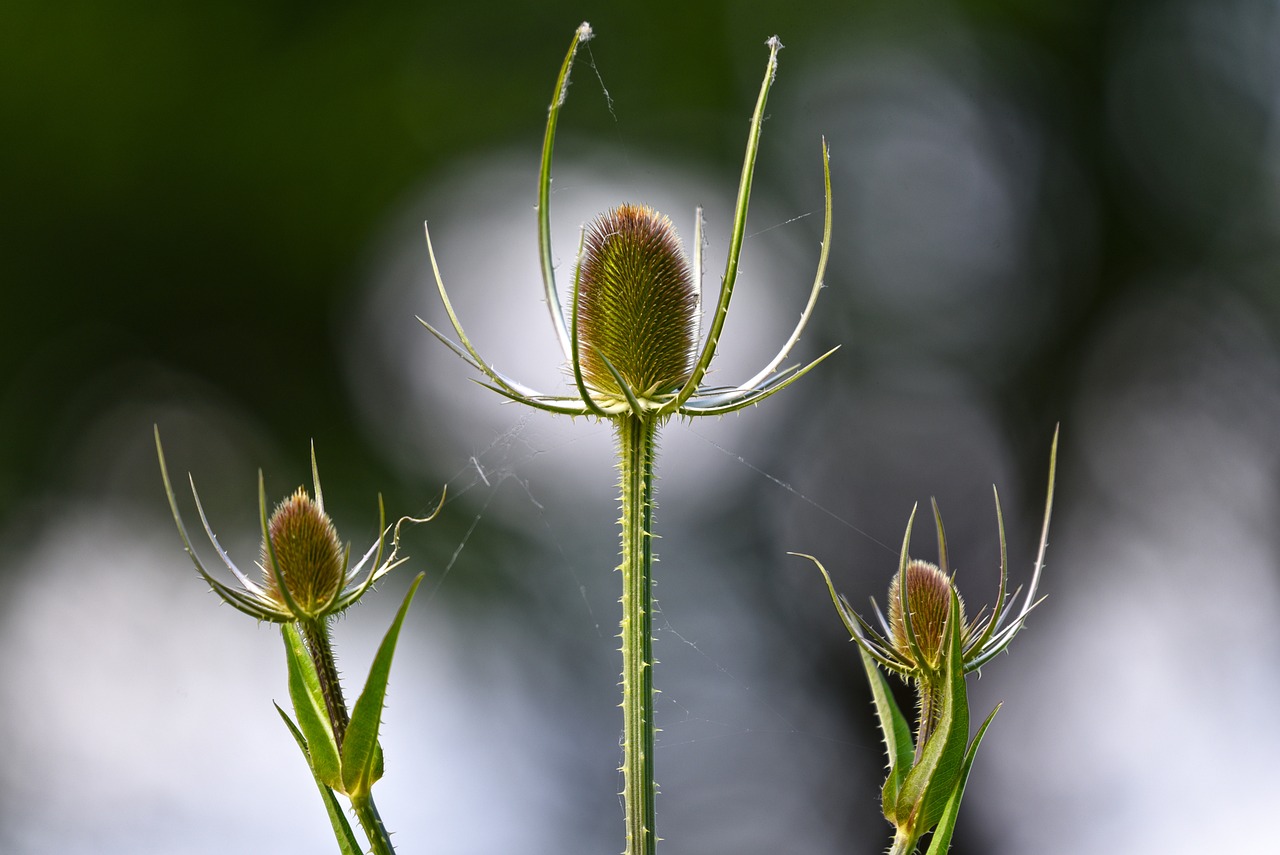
(636,446)
(371,822)
(316,635)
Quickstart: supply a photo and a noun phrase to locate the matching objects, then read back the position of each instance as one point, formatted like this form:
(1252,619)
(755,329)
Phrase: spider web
(495,484)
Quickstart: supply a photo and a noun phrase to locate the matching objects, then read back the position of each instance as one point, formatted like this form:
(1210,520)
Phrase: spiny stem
(635,457)
(371,822)
(316,634)
(930,690)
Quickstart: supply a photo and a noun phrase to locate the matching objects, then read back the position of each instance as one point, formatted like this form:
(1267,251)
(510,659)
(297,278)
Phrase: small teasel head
(928,603)
(306,570)
(912,640)
(636,307)
(303,545)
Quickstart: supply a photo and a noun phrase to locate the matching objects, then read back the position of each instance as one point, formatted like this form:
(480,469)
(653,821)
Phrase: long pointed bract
(817,280)
(489,371)
(735,240)
(582,34)
(753,398)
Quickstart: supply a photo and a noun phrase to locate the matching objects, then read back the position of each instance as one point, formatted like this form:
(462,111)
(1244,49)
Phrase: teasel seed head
(310,556)
(637,306)
(929,602)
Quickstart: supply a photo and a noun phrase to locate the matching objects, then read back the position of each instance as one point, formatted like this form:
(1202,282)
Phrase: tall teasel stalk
(307,580)
(632,341)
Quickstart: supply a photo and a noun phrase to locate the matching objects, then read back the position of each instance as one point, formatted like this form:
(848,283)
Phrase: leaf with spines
(894,726)
(309,706)
(360,753)
(941,840)
(896,732)
(347,843)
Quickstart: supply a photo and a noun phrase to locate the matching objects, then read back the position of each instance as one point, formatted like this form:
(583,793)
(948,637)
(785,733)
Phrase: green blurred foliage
(194,184)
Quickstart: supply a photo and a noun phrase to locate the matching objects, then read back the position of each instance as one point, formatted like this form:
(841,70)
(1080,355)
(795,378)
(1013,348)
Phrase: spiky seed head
(636,304)
(308,551)
(929,602)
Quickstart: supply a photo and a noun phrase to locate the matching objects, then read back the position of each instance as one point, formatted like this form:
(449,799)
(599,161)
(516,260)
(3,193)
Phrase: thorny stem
(930,691)
(371,822)
(316,634)
(636,451)
(902,845)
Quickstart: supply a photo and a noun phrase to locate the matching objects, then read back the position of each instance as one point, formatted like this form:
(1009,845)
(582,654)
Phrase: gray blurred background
(1044,212)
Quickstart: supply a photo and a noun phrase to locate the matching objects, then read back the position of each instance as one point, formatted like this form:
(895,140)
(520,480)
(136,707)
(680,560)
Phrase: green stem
(636,451)
(371,822)
(902,845)
(929,689)
(316,634)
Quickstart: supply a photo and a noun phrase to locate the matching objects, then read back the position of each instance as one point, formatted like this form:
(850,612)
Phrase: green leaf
(309,706)
(889,798)
(347,843)
(360,753)
(929,784)
(946,825)
(896,732)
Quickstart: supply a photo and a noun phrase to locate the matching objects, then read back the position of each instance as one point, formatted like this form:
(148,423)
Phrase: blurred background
(1045,212)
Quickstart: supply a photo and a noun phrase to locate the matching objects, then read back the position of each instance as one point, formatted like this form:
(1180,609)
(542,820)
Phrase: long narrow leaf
(941,840)
(309,706)
(737,232)
(360,754)
(896,731)
(347,843)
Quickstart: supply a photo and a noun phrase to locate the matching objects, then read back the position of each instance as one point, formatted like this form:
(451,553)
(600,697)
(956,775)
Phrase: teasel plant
(631,341)
(307,580)
(927,641)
